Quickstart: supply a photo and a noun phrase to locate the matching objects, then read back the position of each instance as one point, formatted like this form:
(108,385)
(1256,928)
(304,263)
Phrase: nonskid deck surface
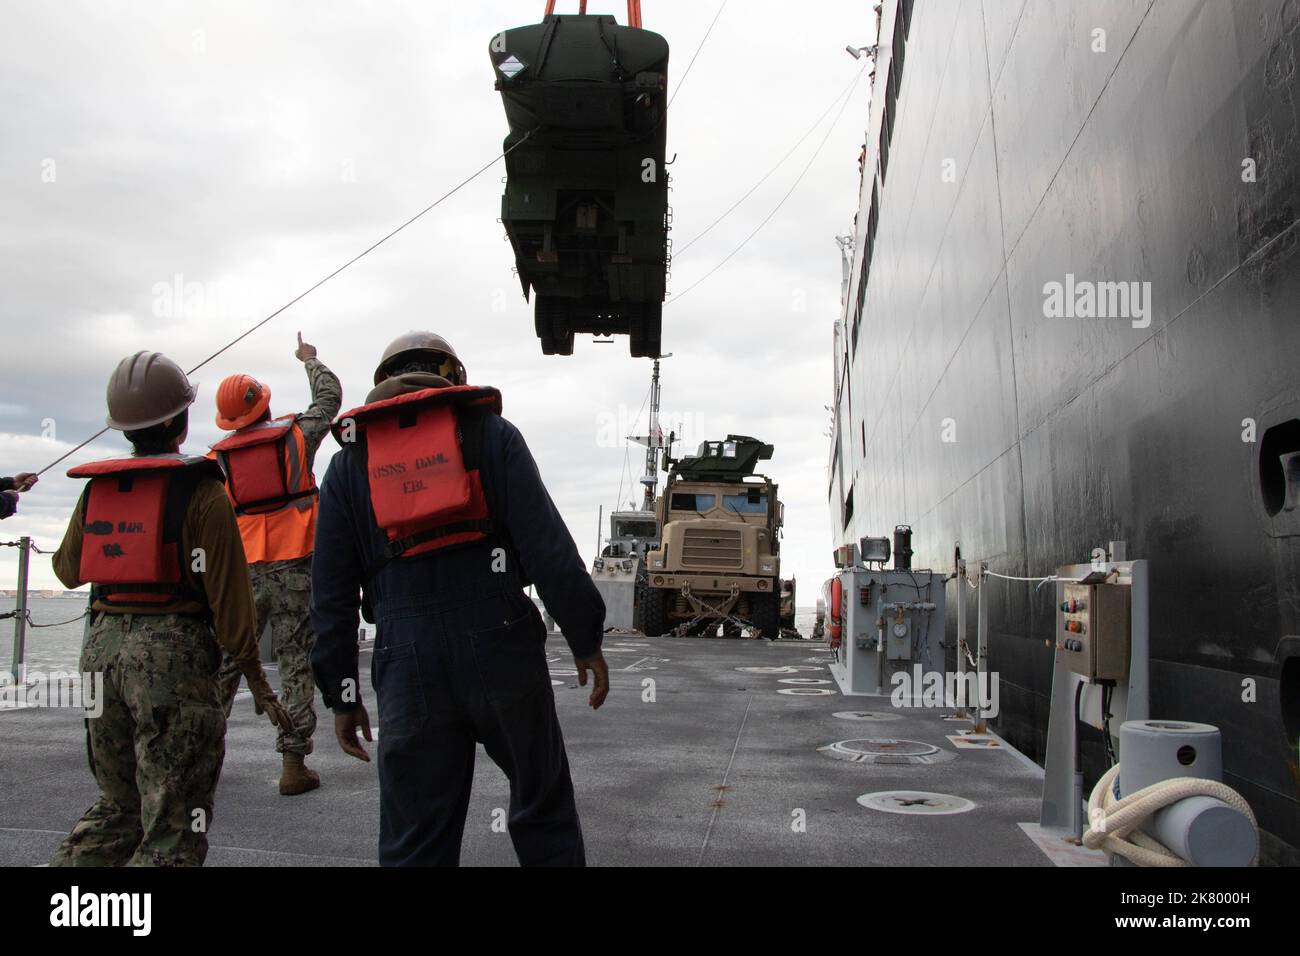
(692,760)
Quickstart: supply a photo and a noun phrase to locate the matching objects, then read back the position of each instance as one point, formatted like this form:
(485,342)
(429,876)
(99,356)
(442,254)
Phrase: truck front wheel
(654,612)
(765,614)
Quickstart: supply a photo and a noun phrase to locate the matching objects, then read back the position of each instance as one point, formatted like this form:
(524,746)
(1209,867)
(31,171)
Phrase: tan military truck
(718,557)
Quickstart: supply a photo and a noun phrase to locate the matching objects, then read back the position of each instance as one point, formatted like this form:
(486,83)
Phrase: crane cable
(793,186)
(373,246)
(687,71)
(627,454)
(768,175)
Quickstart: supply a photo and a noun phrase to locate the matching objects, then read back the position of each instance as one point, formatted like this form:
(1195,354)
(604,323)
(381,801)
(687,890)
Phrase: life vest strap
(270,505)
(399,546)
(183,592)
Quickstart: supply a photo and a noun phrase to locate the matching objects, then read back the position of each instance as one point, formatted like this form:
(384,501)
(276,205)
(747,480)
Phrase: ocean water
(48,649)
(58,647)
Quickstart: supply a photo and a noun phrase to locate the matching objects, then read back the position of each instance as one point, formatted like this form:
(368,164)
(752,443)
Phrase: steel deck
(712,772)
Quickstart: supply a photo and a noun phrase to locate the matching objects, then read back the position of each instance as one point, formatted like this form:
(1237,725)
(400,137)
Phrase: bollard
(1202,830)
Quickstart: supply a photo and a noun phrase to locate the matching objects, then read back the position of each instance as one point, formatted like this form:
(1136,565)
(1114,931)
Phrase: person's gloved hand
(346,725)
(265,701)
(600,673)
(24,480)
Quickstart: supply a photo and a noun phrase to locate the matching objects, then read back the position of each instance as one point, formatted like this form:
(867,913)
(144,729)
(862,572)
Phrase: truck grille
(710,548)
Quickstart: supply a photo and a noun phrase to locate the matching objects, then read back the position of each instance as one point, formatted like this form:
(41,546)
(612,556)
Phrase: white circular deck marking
(917,802)
(806,691)
(766,670)
(802,680)
(865,715)
(886,750)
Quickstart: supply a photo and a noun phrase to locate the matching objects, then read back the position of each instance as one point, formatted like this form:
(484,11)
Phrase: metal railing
(21,613)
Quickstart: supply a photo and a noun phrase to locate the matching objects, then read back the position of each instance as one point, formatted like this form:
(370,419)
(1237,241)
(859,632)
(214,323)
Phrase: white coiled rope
(1113,823)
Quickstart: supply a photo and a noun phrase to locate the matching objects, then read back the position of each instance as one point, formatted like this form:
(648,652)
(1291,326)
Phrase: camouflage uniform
(157,748)
(157,745)
(283,591)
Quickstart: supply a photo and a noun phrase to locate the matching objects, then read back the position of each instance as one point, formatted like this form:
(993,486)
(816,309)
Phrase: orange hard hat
(241,400)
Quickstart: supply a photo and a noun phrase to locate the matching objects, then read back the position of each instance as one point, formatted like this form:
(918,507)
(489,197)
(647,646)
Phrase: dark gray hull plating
(1021,155)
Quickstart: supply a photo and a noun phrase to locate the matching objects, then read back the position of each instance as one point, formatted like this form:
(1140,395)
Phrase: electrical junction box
(893,621)
(1092,630)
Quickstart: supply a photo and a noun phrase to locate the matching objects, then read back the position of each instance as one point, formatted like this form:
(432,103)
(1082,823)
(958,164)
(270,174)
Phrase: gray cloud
(249,149)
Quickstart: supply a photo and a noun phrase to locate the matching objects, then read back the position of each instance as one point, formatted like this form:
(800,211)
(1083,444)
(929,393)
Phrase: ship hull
(982,399)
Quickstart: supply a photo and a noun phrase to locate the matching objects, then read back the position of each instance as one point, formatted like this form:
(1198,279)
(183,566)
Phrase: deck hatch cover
(886,751)
(917,802)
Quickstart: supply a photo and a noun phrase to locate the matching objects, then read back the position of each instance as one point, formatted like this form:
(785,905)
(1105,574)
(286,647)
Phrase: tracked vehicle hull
(586,199)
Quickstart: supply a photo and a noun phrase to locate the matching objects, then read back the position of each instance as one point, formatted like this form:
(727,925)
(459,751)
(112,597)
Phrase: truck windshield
(747,504)
(636,529)
(690,501)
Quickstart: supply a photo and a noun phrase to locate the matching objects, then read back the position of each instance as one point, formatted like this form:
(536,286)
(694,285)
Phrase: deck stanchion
(16,667)
(982,654)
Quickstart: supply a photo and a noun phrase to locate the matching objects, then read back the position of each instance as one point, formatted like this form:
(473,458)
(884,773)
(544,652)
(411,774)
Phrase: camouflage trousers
(156,749)
(282,590)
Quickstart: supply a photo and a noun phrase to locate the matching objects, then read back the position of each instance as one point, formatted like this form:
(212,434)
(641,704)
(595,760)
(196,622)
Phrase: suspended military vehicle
(586,199)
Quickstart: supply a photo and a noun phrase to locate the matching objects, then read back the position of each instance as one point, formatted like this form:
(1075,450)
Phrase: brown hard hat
(147,389)
(412,345)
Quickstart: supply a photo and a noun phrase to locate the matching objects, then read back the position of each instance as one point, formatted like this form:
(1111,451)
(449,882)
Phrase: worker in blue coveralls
(433,517)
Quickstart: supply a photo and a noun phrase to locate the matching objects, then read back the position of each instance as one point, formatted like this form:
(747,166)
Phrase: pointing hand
(304,351)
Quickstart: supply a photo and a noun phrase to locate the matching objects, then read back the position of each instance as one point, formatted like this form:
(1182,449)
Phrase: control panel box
(893,620)
(1092,630)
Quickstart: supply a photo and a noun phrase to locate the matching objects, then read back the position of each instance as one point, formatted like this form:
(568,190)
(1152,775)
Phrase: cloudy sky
(238,152)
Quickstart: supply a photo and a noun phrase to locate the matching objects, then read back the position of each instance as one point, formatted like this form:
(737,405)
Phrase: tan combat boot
(295,778)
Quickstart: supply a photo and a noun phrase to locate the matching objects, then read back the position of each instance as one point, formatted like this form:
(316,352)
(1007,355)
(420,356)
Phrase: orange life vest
(132,514)
(270,482)
(422,470)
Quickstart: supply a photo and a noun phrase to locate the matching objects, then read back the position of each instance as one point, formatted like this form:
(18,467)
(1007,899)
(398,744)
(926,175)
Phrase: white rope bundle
(1113,824)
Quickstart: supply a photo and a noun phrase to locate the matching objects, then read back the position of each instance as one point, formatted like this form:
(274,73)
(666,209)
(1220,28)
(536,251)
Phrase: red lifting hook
(633,10)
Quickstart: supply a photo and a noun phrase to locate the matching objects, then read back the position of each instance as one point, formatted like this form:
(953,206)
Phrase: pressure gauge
(900,629)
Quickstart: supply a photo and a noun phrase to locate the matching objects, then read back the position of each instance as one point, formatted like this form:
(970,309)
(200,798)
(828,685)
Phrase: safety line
(373,246)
